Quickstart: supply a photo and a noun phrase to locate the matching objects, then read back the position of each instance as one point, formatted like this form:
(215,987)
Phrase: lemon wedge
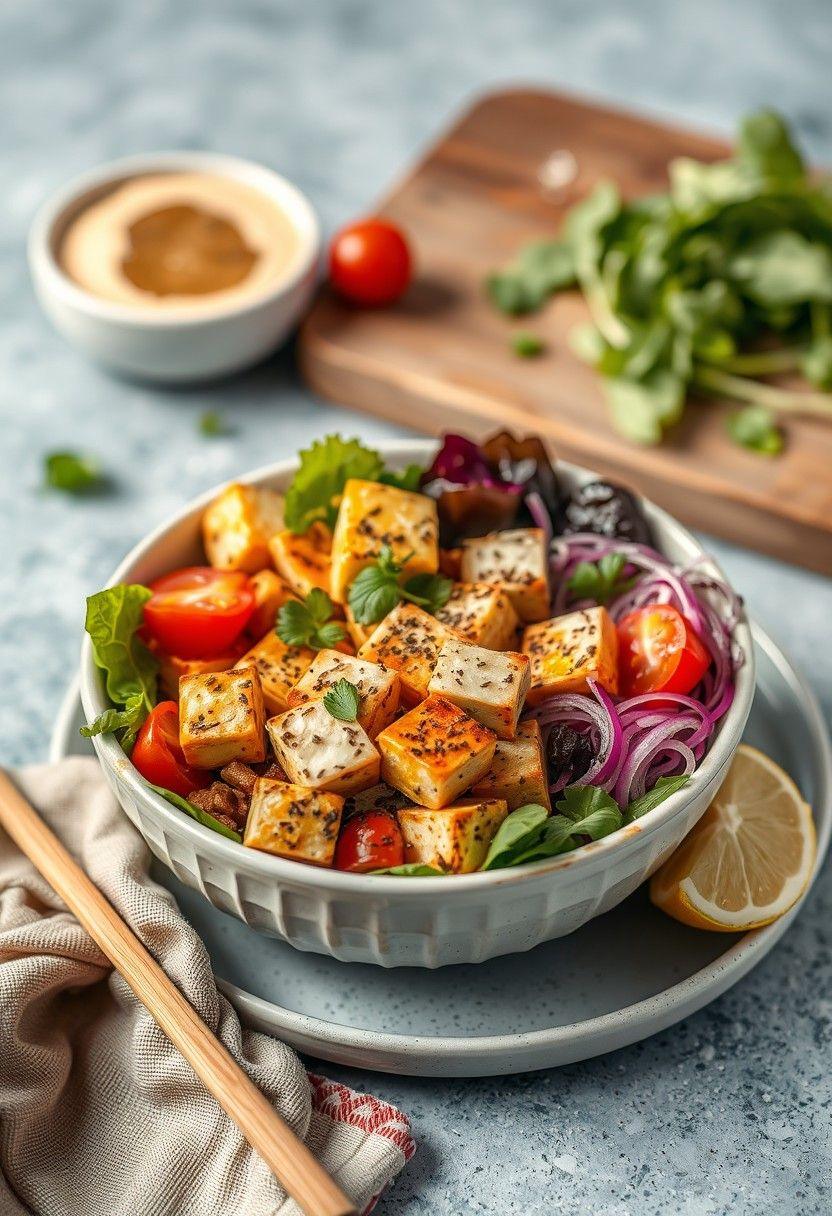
(750,856)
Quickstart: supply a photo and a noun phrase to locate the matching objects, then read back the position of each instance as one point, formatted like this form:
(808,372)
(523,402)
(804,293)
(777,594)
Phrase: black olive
(568,751)
(607,510)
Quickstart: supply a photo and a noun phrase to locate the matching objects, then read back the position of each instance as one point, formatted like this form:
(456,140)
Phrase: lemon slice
(750,856)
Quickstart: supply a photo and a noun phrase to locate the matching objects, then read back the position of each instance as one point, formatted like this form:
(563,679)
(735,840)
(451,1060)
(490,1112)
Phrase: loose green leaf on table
(343,701)
(72,473)
(207,820)
(113,619)
(527,345)
(213,425)
(753,427)
(309,622)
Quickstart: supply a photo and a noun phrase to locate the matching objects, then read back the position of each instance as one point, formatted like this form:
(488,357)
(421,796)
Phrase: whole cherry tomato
(370,263)
(369,842)
(158,756)
(197,612)
(658,651)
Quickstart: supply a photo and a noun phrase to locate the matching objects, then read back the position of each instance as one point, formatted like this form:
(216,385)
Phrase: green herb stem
(739,388)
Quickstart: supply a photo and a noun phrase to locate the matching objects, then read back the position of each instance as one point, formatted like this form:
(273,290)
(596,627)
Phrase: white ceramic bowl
(424,922)
(170,349)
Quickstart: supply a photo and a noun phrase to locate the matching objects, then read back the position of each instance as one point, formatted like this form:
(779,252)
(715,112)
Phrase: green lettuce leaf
(130,670)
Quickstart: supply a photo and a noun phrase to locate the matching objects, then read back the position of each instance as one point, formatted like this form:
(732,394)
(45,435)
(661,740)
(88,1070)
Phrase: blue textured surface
(729,1112)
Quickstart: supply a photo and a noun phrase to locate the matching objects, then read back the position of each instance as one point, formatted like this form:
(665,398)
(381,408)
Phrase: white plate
(619,979)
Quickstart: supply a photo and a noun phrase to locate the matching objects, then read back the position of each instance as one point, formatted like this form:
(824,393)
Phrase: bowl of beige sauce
(176,266)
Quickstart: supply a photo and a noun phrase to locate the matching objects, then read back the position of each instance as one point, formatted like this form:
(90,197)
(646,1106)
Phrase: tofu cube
(381,797)
(303,561)
(237,527)
(490,685)
(172,668)
(292,821)
(372,515)
(279,667)
(518,770)
(566,651)
(435,752)
(517,561)
(221,717)
(377,687)
(482,614)
(408,641)
(358,632)
(456,838)
(320,751)
(270,594)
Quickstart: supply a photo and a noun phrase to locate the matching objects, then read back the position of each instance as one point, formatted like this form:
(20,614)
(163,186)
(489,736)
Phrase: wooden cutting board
(441,358)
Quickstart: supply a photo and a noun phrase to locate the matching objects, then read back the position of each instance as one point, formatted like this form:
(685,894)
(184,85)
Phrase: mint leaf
(412,869)
(753,427)
(517,833)
(343,701)
(113,618)
(195,812)
(664,787)
(72,473)
(307,622)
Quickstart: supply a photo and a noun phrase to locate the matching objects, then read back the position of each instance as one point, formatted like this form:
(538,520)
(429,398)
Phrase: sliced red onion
(538,512)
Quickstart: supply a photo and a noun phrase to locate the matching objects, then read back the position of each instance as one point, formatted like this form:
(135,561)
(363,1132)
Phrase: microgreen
(309,622)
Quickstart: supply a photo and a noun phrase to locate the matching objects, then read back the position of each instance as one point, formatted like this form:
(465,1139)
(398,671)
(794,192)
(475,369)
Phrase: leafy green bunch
(725,278)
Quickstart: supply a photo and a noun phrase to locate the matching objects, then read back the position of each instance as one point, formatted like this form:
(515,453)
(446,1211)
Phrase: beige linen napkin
(99,1114)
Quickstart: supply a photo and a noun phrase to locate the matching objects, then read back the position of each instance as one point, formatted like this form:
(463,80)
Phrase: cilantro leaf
(72,473)
(412,869)
(664,787)
(375,591)
(213,425)
(540,269)
(753,427)
(600,581)
(324,470)
(113,618)
(527,345)
(343,701)
(308,622)
(207,820)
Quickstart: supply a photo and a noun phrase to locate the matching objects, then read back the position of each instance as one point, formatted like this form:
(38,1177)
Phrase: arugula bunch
(725,278)
(376,589)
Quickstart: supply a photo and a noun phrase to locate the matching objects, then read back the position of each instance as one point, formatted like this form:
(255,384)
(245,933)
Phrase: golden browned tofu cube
(377,687)
(317,750)
(490,685)
(221,718)
(270,594)
(303,561)
(293,821)
(566,651)
(517,561)
(372,515)
(435,752)
(408,641)
(358,632)
(482,614)
(456,838)
(279,667)
(518,770)
(237,527)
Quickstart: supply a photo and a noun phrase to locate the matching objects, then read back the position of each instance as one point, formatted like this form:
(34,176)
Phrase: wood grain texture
(442,359)
(285,1154)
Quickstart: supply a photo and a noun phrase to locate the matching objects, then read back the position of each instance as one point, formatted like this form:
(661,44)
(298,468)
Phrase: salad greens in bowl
(422,705)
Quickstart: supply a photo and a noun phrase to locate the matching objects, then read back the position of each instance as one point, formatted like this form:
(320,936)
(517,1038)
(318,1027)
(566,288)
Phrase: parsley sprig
(376,590)
(600,581)
(309,622)
(342,701)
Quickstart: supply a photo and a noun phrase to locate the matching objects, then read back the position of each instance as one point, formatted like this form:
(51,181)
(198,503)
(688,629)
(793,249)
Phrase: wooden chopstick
(285,1154)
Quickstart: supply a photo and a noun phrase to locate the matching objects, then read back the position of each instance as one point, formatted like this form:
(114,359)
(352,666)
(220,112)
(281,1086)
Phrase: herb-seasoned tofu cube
(221,717)
(518,770)
(172,668)
(372,515)
(516,561)
(377,687)
(270,594)
(292,821)
(279,667)
(408,641)
(566,651)
(318,750)
(435,752)
(490,685)
(237,527)
(381,797)
(358,632)
(303,561)
(454,839)
(482,614)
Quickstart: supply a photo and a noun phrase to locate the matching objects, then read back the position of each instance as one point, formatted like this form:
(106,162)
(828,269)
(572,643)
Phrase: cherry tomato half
(369,842)
(658,651)
(197,612)
(158,756)
(370,263)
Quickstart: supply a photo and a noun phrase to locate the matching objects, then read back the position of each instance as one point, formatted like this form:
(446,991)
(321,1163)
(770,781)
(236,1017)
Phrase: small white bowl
(395,922)
(173,348)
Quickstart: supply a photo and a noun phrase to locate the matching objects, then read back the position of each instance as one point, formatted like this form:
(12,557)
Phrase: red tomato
(197,612)
(370,262)
(658,651)
(369,842)
(158,756)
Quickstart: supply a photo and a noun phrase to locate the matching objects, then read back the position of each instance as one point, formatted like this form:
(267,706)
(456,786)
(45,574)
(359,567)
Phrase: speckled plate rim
(492,1055)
